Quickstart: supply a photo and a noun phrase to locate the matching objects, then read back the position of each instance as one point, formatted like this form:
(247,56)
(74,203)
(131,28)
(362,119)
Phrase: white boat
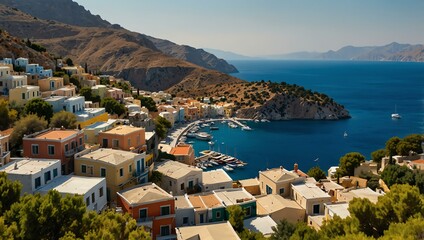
(191,135)
(214,163)
(233,165)
(256,120)
(211,143)
(246,128)
(396,115)
(203,136)
(345,134)
(228,168)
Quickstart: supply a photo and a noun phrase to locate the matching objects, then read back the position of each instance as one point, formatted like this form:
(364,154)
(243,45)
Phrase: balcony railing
(74,151)
(147,222)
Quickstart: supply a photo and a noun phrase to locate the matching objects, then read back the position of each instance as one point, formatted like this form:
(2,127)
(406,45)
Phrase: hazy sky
(262,27)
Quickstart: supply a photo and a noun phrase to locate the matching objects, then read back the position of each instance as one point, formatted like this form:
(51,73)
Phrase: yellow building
(50,84)
(277,181)
(122,169)
(90,116)
(23,94)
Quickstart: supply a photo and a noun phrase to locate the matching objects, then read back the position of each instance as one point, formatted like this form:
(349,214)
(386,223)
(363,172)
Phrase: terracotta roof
(145,193)
(57,134)
(420,161)
(6,132)
(181,150)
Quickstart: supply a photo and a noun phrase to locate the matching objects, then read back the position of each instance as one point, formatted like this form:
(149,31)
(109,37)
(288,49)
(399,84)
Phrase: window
(121,172)
(281,191)
(50,149)
(37,182)
(80,141)
(129,142)
(115,143)
(248,211)
(143,213)
(102,172)
(93,197)
(47,177)
(54,172)
(185,220)
(164,210)
(190,184)
(66,147)
(218,215)
(34,148)
(87,201)
(130,168)
(202,218)
(164,230)
(316,209)
(23,95)
(83,168)
(182,186)
(101,192)
(170,183)
(268,190)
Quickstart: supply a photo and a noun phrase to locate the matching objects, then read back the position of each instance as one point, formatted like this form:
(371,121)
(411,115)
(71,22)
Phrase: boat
(396,115)
(214,128)
(232,165)
(228,168)
(211,143)
(191,135)
(256,120)
(232,125)
(345,134)
(214,163)
(264,120)
(246,128)
(203,136)
(199,165)
(240,165)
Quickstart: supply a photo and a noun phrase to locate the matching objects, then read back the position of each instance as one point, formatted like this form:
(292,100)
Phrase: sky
(267,27)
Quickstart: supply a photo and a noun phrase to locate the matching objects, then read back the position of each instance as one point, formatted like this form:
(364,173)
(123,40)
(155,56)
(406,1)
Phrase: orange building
(183,153)
(124,137)
(152,207)
(55,144)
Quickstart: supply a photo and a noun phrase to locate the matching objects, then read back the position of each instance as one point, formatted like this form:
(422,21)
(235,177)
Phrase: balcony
(4,158)
(146,222)
(72,152)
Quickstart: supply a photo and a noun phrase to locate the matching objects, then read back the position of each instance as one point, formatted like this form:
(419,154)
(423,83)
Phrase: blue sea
(369,90)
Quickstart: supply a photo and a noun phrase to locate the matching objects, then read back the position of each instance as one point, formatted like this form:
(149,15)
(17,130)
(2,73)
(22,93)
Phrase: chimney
(296,167)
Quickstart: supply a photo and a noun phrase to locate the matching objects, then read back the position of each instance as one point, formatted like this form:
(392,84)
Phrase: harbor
(213,160)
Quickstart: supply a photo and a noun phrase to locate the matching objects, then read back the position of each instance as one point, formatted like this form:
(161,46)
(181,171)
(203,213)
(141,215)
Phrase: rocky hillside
(65,11)
(12,47)
(274,101)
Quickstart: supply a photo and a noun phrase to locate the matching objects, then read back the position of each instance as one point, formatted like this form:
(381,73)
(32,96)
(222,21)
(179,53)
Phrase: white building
(216,179)
(32,173)
(184,211)
(93,189)
(6,61)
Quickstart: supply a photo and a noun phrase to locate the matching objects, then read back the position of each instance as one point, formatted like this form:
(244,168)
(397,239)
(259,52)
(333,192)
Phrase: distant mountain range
(390,52)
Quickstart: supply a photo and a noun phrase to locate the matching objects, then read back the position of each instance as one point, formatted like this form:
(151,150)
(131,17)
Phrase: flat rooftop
(233,196)
(249,182)
(72,184)
(309,191)
(182,202)
(101,125)
(145,193)
(204,201)
(108,155)
(57,134)
(339,209)
(260,224)
(279,174)
(349,195)
(213,231)
(181,150)
(123,130)
(28,166)
(149,135)
(273,203)
(176,170)
(216,176)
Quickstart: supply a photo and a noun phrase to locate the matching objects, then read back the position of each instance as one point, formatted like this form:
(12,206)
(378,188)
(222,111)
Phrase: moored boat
(203,136)
(228,168)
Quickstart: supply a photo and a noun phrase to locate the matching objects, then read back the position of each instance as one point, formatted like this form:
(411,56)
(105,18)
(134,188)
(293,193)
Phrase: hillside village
(113,159)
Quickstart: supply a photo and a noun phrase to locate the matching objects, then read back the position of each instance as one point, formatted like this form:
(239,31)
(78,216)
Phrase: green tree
(391,146)
(112,106)
(74,80)
(283,231)
(147,102)
(349,162)
(86,92)
(395,174)
(40,107)
(8,116)
(64,119)
(378,155)
(410,230)
(7,232)
(246,234)
(161,127)
(339,227)
(9,192)
(156,177)
(304,232)
(356,236)
(236,216)
(27,125)
(415,141)
(403,148)
(365,211)
(317,173)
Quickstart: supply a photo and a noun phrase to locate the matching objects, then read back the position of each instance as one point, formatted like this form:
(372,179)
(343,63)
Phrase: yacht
(203,136)
(396,115)
(246,128)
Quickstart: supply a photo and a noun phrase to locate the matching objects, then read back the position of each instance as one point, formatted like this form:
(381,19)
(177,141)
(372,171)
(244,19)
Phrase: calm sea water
(369,90)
